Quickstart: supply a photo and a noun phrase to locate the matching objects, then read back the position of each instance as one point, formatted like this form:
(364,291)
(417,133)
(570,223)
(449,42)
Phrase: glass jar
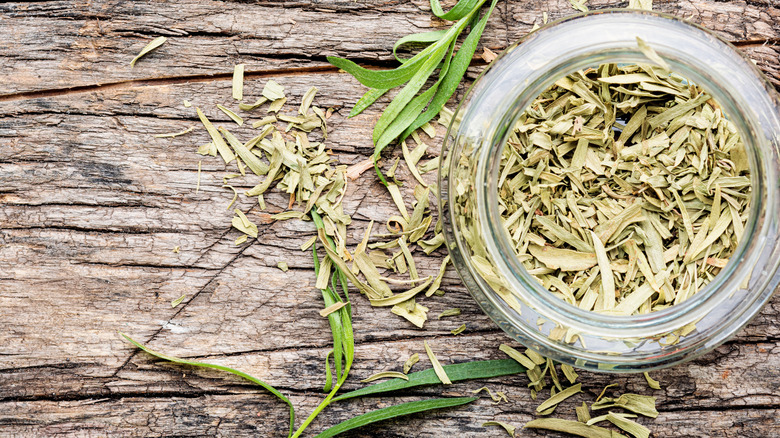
(481,249)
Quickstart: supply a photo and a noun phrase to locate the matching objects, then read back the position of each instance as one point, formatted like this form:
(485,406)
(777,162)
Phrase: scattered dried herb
(413,359)
(449,312)
(385,375)
(579,5)
(238,82)
(216,138)
(652,383)
(235,117)
(174,134)
(629,426)
(637,403)
(440,373)
(178,301)
(497,397)
(332,308)
(155,43)
(459,330)
(507,427)
(646,5)
(572,427)
(243,224)
(559,397)
(583,414)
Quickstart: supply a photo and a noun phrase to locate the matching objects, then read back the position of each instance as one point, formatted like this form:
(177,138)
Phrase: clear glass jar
(481,249)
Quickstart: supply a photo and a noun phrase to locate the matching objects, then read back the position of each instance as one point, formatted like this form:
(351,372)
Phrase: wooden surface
(91,207)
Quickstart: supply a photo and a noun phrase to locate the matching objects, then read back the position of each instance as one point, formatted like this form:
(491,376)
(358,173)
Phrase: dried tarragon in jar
(624,189)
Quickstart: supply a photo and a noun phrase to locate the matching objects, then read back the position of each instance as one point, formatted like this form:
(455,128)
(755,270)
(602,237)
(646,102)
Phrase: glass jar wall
(480,247)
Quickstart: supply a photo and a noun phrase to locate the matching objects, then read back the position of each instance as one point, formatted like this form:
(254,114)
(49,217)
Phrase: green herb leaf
(368,98)
(483,369)
(454,75)
(406,94)
(457,12)
(393,412)
(246,376)
(418,38)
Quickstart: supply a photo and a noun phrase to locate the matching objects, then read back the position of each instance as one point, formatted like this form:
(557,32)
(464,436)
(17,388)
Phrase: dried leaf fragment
(559,397)
(243,224)
(572,427)
(563,259)
(413,359)
(436,365)
(178,301)
(459,330)
(235,117)
(449,312)
(174,134)
(155,43)
(332,308)
(632,427)
(385,375)
(273,91)
(216,138)
(651,382)
(238,82)
(507,427)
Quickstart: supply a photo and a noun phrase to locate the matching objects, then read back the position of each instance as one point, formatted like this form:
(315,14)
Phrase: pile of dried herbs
(624,188)
(282,158)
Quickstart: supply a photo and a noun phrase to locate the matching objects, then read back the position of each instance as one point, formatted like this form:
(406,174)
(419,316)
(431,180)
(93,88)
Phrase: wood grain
(91,207)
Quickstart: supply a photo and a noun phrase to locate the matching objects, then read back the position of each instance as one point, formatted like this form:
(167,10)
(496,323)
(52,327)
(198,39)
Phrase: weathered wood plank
(92,207)
(89,43)
(112,251)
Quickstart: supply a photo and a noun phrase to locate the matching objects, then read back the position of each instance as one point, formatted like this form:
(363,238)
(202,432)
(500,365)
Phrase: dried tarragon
(285,159)
(585,425)
(624,188)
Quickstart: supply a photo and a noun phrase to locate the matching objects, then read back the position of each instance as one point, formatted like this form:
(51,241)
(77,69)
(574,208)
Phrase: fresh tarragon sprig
(411,109)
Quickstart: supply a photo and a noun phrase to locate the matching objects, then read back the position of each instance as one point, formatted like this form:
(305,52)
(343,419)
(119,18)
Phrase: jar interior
(620,59)
(681,314)
(481,250)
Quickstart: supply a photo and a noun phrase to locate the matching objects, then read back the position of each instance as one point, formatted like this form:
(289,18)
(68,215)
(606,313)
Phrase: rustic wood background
(91,207)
